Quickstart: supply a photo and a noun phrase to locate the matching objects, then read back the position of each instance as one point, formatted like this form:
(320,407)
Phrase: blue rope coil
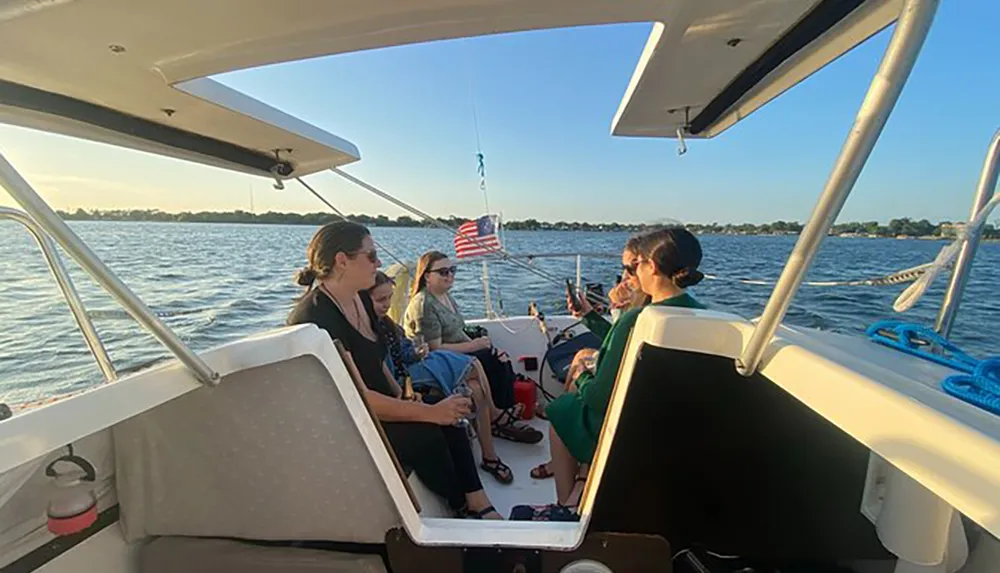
(981,388)
(980,383)
(918,341)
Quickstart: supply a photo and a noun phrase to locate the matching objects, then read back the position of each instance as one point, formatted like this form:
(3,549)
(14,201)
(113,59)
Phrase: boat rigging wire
(498,251)
(340,214)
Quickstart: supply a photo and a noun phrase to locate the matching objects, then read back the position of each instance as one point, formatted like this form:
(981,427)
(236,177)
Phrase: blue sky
(545,101)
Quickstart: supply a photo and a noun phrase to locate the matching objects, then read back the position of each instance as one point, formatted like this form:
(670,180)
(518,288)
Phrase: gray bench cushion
(271,453)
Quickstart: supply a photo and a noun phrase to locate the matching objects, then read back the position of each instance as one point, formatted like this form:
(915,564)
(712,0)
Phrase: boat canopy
(137,73)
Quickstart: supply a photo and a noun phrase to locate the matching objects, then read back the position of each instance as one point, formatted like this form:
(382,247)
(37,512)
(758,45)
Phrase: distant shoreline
(903,228)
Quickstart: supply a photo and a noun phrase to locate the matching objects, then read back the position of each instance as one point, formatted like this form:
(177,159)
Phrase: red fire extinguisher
(72,503)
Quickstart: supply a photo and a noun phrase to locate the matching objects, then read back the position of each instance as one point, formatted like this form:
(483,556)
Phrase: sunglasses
(371,255)
(630,269)
(445,271)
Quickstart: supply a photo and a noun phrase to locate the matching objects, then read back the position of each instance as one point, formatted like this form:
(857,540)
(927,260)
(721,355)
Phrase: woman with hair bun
(342,266)
(665,264)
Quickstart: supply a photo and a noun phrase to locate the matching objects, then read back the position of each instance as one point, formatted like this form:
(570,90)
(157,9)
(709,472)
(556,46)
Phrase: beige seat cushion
(191,555)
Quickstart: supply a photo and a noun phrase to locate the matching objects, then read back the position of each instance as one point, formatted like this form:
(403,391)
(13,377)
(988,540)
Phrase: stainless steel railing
(59,231)
(963,265)
(911,30)
(65,283)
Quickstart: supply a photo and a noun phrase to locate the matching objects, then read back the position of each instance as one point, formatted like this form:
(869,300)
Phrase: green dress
(578,417)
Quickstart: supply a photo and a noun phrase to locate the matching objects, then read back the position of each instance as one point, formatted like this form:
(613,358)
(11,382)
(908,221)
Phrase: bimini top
(136,73)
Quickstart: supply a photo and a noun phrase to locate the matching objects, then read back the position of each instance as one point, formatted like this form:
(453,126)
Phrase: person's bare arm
(461,347)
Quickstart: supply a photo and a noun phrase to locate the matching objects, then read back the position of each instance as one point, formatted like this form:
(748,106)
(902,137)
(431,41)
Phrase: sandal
(541,471)
(498,470)
(480,514)
(507,428)
(517,410)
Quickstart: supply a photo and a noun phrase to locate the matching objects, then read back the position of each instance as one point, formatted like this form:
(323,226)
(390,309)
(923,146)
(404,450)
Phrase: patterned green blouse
(432,319)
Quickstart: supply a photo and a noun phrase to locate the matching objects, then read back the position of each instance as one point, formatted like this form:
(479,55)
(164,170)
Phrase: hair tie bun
(305,277)
(687,277)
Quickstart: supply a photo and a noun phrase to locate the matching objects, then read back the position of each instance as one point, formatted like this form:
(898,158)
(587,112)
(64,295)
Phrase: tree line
(903,227)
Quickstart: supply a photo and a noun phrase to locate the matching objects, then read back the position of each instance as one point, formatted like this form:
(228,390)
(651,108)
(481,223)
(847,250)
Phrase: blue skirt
(442,368)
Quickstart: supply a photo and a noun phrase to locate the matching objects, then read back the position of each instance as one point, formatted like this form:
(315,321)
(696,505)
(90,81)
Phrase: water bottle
(462,389)
(418,344)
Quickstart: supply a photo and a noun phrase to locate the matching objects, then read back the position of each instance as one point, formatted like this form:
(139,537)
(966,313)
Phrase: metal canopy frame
(963,265)
(907,39)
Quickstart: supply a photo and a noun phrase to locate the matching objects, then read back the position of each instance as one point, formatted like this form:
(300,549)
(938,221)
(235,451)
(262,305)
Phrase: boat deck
(521,458)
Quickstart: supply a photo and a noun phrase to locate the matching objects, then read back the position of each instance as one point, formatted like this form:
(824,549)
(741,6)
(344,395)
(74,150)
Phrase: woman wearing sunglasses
(625,296)
(665,264)
(437,373)
(342,263)
(433,315)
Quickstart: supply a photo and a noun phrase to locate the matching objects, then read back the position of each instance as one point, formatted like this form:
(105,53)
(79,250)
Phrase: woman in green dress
(625,296)
(665,264)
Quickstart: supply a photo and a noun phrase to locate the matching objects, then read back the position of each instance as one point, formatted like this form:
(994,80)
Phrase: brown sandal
(541,471)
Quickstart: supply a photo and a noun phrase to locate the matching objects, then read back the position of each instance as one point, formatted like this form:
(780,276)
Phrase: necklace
(356,322)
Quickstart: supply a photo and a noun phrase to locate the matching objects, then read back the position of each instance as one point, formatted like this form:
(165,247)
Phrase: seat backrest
(271,453)
(710,459)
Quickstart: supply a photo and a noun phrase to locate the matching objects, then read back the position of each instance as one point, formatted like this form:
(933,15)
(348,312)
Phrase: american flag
(482,237)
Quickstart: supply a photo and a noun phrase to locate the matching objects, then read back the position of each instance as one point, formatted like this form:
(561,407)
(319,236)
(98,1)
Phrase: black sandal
(507,428)
(482,513)
(499,470)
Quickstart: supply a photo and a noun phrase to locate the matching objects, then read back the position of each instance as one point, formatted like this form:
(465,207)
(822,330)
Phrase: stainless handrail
(65,283)
(534,256)
(49,221)
(963,265)
(911,30)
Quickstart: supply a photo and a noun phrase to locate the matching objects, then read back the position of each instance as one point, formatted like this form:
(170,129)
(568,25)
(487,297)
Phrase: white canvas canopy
(136,73)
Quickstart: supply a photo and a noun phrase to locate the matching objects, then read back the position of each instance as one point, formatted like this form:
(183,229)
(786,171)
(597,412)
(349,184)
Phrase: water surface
(239,278)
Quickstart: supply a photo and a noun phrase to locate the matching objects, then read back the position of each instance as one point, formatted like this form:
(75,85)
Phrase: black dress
(441,455)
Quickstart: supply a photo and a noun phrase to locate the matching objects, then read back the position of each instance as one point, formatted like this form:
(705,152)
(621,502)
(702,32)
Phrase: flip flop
(541,471)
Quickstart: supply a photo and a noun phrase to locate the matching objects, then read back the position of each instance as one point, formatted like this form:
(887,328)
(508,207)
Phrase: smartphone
(574,302)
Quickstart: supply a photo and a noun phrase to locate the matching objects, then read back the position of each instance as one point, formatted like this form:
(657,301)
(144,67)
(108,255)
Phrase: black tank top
(369,356)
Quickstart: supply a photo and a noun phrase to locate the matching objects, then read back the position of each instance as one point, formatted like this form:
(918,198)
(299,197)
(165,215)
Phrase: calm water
(241,276)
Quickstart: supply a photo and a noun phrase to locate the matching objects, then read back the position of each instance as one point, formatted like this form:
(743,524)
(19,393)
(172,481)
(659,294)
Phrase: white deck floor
(521,458)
